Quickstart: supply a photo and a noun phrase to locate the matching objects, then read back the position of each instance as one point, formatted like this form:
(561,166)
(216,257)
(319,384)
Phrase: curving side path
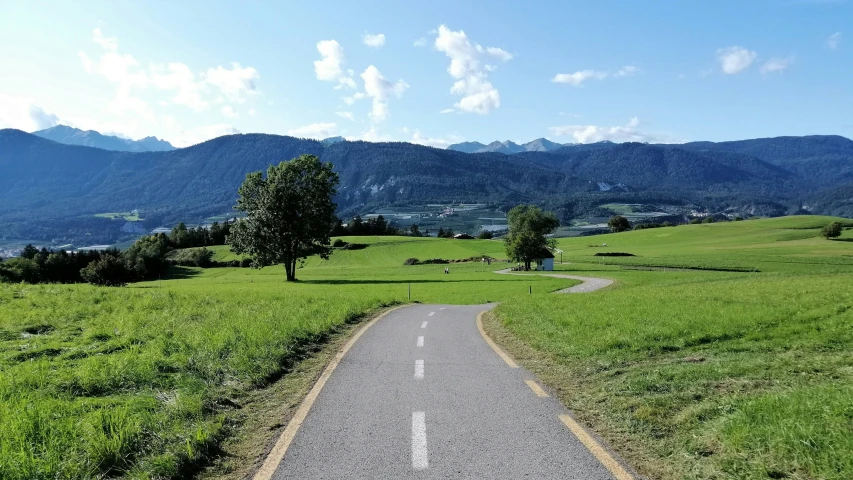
(590,284)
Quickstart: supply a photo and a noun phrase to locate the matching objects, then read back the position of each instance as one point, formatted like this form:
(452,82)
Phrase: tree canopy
(618,223)
(833,230)
(528,227)
(289,213)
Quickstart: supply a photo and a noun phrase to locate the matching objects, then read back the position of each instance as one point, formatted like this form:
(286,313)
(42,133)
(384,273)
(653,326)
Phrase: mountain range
(52,191)
(507,147)
(91,138)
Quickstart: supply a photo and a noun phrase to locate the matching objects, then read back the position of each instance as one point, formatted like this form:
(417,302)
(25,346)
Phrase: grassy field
(689,372)
(693,373)
(146,381)
(129,216)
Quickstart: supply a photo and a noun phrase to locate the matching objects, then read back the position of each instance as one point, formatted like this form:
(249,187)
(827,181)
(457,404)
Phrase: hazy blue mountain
(91,138)
(507,147)
(45,186)
(541,145)
(331,140)
(466,147)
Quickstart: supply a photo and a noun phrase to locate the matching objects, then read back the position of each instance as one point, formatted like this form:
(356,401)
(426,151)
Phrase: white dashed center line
(419,369)
(420,457)
(423,325)
(431,314)
(420,341)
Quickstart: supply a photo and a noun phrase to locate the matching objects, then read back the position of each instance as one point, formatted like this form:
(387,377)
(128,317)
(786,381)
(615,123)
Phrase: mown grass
(141,381)
(703,374)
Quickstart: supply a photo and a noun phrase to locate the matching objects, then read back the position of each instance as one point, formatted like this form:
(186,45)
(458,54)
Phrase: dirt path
(590,284)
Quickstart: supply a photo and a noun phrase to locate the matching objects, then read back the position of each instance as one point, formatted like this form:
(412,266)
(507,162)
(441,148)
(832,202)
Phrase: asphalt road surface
(589,284)
(422,394)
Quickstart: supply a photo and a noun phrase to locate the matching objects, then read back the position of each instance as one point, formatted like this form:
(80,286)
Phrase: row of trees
(357,226)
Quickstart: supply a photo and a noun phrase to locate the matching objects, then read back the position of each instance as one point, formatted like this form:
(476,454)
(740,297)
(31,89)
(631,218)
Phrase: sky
(433,73)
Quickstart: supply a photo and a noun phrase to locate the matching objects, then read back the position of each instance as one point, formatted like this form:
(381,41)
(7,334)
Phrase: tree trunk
(527,265)
(290,270)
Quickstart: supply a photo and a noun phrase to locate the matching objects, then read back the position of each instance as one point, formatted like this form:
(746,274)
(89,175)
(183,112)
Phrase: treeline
(146,259)
(357,226)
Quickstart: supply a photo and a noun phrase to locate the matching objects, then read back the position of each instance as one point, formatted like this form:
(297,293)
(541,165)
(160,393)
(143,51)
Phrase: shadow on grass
(374,282)
(842,239)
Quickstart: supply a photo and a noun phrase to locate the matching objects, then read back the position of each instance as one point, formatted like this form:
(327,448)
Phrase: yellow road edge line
(506,358)
(278,451)
(596,449)
(536,388)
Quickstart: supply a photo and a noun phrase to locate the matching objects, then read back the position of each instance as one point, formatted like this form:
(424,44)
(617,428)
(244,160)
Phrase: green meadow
(697,373)
(145,381)
(687,370)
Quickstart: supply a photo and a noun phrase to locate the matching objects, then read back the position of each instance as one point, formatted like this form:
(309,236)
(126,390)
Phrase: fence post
(410,291)
(530,289)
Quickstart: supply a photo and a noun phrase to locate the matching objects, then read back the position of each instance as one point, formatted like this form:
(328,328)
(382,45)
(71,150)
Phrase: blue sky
(434,72)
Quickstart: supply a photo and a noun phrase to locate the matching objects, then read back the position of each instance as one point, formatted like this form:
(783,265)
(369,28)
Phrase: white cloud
(236,83)
(24,114)
(347,115)
(185,87)
(372,134)
(314,130)
(834,40)
(466,67)
(193,136)
(734,60)
(372,40)
(380,90)
(418,138)
(579,77)
(628,71)
(625,133)
(421,42)
(328,68)
(447,110)
(252,112)
(776,65)
(229,111)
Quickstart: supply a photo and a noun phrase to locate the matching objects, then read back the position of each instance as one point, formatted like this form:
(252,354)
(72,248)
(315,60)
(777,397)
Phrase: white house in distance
(545,260)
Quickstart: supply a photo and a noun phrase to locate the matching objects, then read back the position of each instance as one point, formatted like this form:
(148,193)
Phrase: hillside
(91,138)
(46,184)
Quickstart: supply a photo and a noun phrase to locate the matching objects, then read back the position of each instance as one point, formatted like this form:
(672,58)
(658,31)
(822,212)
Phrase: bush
(195,257)
(338,243)
(486,235)
(833,230)
(109,271)
(411,261)
(246,262)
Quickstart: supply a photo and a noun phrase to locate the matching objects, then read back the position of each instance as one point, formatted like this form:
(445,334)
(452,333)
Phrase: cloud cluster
(834,41)
(623,133)
(195,91)
(734,60)
(329,67)
(776,65)
(314,130)
(578,78)
(372,40)
(24,114)
(469,67)
(380,90)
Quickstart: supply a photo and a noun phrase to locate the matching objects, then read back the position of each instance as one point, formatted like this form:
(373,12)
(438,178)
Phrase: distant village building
(544,260)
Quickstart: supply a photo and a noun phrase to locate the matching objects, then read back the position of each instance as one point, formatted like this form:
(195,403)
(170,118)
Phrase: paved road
(589,284)
(422,395)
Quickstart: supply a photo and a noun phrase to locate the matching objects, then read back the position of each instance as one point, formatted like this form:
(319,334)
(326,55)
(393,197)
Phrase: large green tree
(833,230)
(528,230)
(618,223)
(289,213)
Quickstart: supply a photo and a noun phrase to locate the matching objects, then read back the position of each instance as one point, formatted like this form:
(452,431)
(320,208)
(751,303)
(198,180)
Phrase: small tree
(289,214)
(528,227)
(414,230)
(618,223)
(833,230)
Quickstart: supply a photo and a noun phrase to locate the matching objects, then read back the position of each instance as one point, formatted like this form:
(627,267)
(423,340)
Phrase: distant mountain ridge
(90,138)
(508,147)
(47,188)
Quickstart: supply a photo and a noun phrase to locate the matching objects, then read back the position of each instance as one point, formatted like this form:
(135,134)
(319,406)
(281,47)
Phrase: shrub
(196,257)
(109,271)
(411,261)
(338,243)
(485,235)
(833,230)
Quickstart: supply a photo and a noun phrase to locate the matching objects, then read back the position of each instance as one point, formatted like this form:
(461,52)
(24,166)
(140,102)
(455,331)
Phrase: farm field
(701,373)
(687,372)
(129,216)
